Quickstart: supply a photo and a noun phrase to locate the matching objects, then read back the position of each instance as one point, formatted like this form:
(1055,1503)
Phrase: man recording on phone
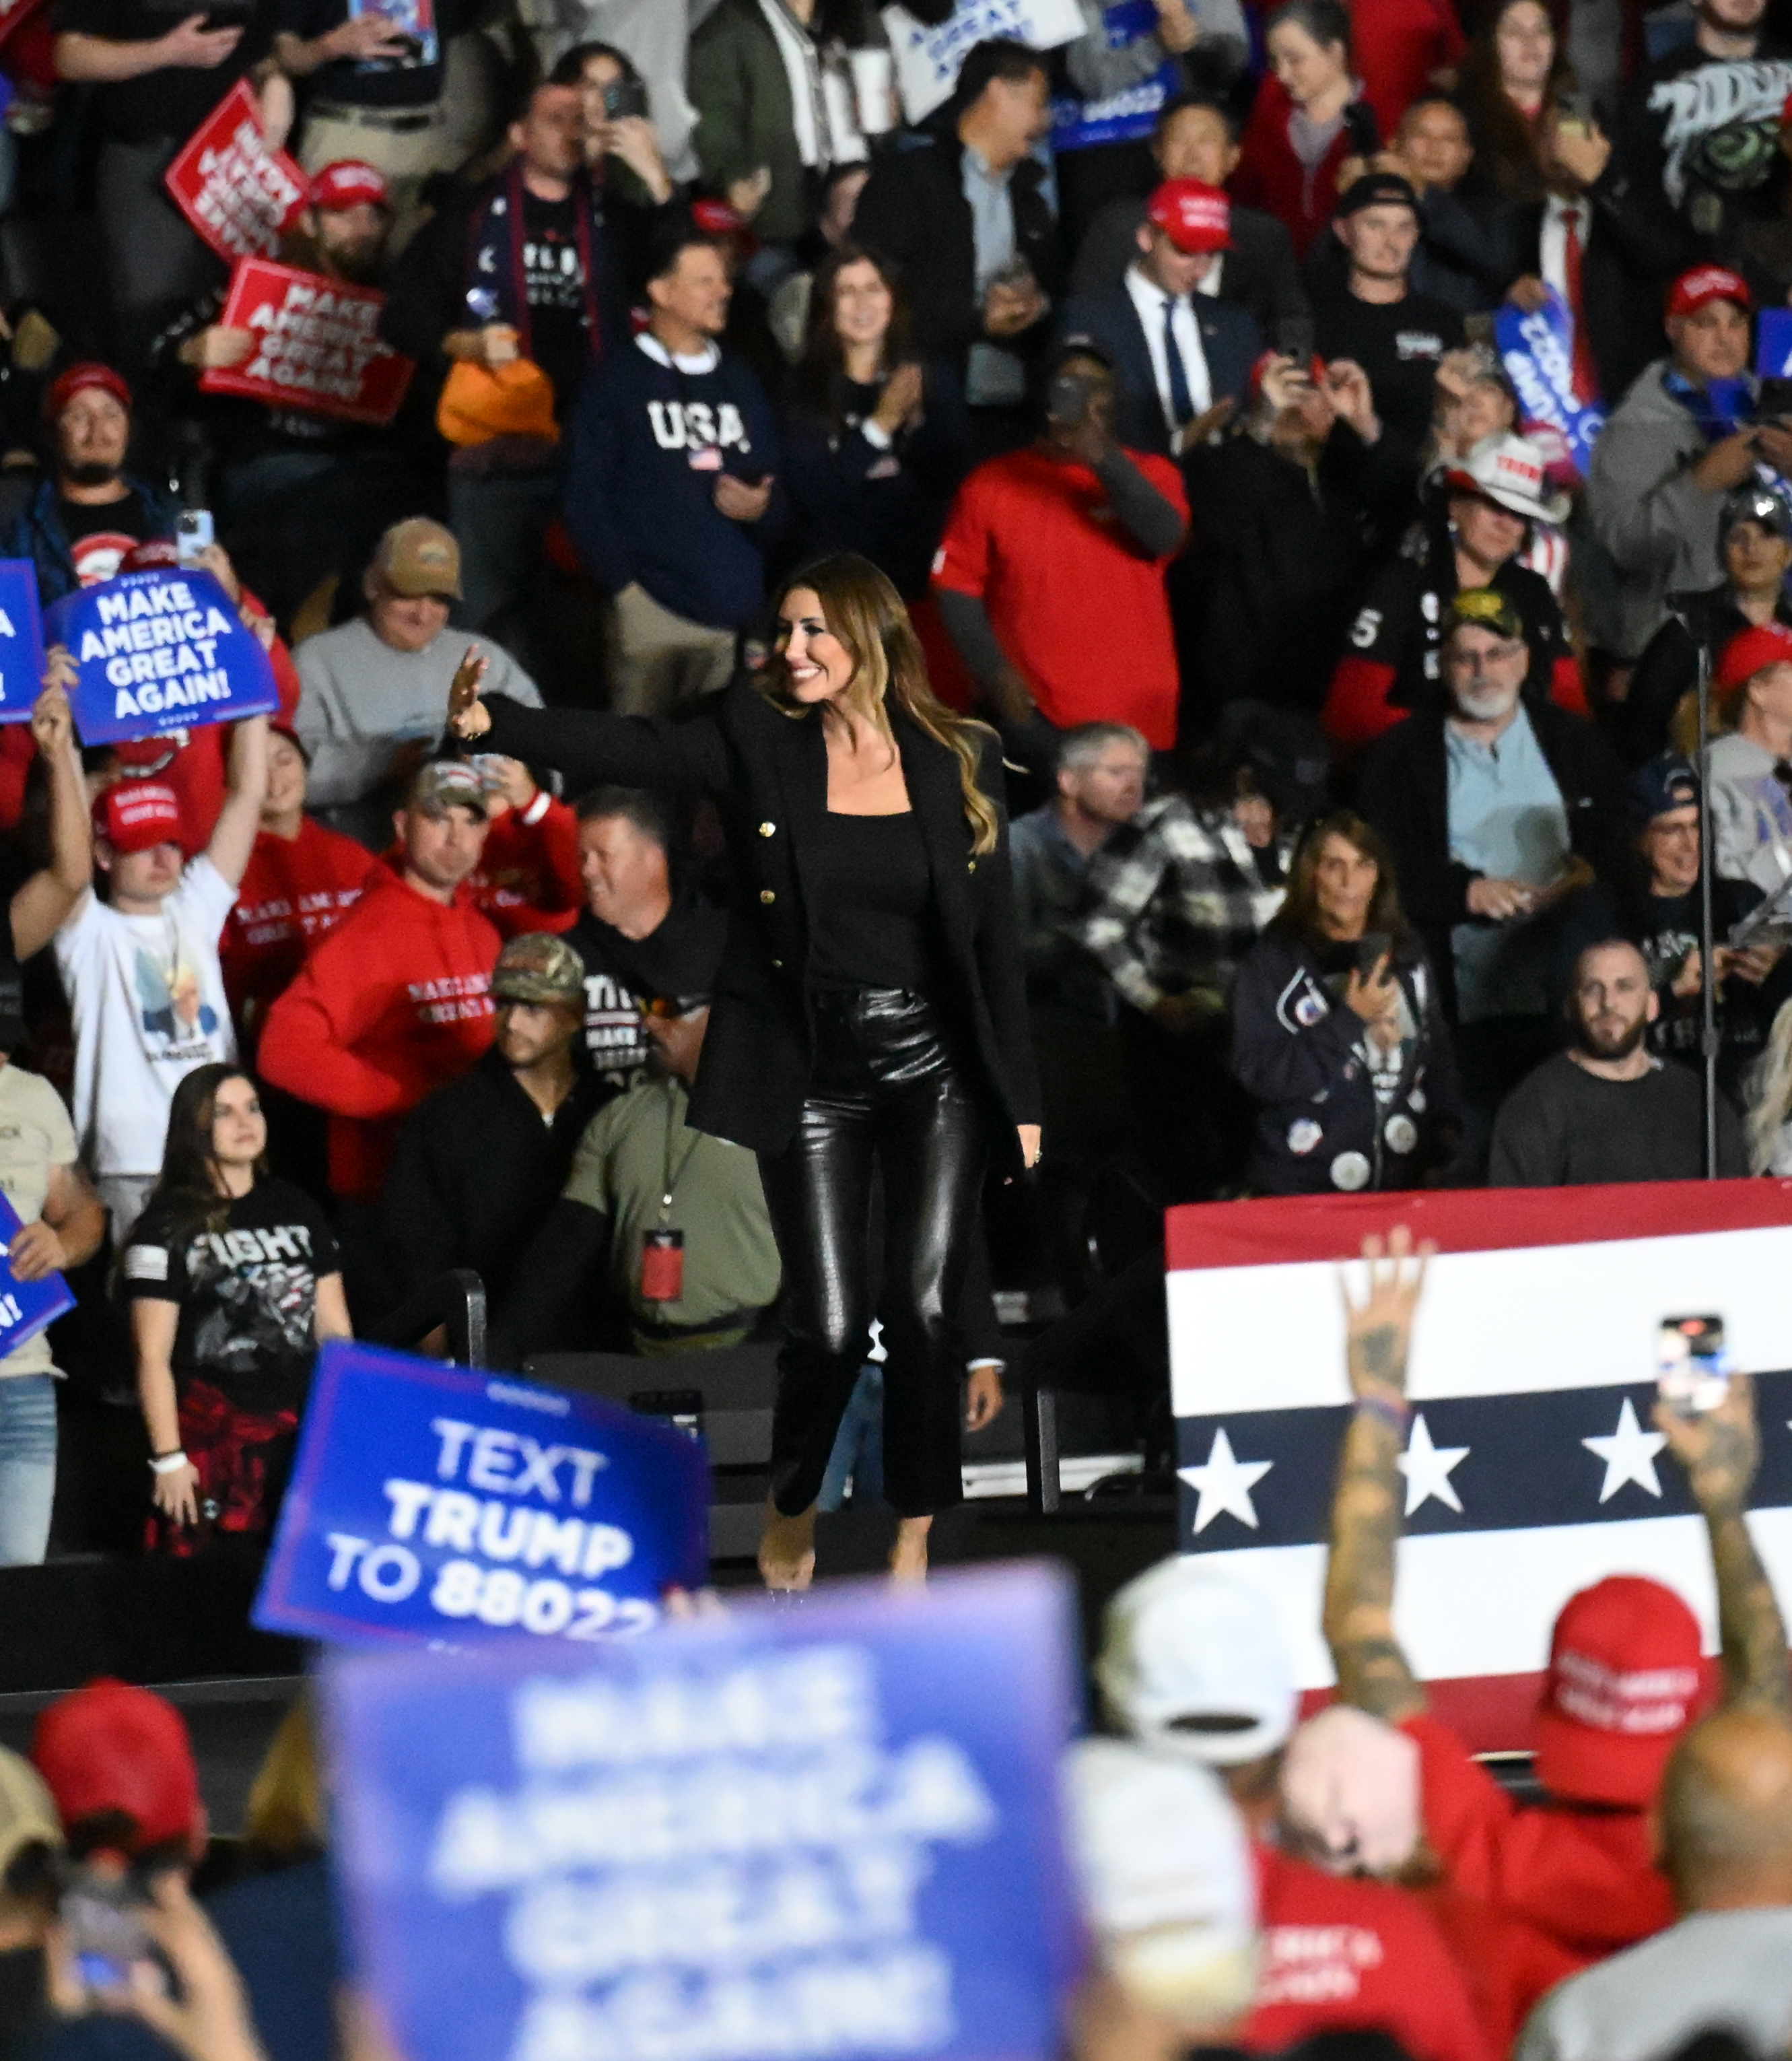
(1032,537)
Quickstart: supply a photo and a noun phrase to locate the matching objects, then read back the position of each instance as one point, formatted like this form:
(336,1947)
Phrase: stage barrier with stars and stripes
(1532,1467)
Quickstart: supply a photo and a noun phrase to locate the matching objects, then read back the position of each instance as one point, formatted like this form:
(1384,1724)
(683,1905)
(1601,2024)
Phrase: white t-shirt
(147,994)
(35,1137)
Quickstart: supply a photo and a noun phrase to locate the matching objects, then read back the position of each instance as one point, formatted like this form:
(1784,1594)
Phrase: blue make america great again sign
(159,650)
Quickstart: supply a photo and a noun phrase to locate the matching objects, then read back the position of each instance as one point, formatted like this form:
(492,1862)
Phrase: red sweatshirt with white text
(394,1002)
(294,891)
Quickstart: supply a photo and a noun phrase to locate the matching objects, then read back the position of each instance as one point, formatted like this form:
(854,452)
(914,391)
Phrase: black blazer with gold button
(767,772)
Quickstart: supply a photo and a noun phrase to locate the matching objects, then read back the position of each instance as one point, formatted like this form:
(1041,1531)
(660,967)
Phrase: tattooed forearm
(1379,1353)
(1372,1671)
(1749,1622)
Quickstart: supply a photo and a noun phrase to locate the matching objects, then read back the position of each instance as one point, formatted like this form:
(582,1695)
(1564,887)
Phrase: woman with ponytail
(869,1014)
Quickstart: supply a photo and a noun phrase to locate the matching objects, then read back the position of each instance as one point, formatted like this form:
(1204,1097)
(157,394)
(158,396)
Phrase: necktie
(1182,401)
(1586,373)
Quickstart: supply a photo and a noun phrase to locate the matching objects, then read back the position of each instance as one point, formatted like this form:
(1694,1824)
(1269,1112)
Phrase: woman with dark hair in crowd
(1310,116)
(875,441)
(1337,1030)
(1514,71)
(234,1278)
(870,1012)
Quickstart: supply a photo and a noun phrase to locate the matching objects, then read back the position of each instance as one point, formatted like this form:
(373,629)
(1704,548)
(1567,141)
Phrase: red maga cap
(1626,1671)
(80,378)
(1748,650)
(349,183)
(1193,215)
(1703,284)
(109,1746)
(131,816)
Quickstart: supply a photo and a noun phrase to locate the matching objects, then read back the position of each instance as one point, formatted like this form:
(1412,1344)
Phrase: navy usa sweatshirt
(650,438)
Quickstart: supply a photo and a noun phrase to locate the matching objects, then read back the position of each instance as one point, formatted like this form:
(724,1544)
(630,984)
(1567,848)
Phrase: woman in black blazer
(870,1009)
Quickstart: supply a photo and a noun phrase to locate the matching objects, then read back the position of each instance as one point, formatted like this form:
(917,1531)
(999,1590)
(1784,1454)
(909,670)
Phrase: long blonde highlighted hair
(1770,1093)
(864,610)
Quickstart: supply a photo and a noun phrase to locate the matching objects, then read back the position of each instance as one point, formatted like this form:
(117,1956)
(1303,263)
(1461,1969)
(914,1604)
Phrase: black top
(476,1168)
(1563,1127)
(767,771)
(247,1290)
(100,533)
(1398,343)
(173,102)
(871,895)
(553,280)
(414,81)
(676,962)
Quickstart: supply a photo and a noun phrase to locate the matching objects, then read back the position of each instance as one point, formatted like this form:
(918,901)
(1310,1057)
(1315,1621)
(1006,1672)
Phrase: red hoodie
(392,1004)
(294,890)
(528,878)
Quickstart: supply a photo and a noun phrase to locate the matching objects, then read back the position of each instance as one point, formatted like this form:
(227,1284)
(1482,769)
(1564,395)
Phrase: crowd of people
(1253,1878)
(1348,710)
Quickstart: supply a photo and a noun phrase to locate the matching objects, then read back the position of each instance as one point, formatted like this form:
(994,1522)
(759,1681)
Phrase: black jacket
(1668,669)
(768,774)
(1297,1049)
(1404,793)
(1624,280)
(475,1171)
(1230,340)
(913,212)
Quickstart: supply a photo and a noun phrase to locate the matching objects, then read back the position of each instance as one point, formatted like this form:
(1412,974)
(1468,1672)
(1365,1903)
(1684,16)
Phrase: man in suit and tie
(1178,355)
(1197,138)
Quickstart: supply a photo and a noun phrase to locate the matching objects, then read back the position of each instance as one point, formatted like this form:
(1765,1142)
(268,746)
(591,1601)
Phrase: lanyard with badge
(662,1250)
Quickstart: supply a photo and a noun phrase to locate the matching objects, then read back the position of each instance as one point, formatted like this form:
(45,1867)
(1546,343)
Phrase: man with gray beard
(1495,810)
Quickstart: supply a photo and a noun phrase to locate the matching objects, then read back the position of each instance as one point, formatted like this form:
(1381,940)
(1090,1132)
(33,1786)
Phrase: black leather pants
(886,1095)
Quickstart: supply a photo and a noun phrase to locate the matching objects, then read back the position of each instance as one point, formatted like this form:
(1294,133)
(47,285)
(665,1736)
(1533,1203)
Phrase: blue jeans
(27,1467)
(857,1454)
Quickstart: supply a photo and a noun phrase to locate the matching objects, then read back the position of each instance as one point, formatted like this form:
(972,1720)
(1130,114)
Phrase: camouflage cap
(538,967)
(448,783)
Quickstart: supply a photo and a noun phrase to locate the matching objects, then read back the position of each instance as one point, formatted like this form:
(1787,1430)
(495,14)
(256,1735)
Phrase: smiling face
(862,303)
(1434,138)
(1195,143)
(286,780)
(624,871)
(239,1129)
(1670,845)
(817,665)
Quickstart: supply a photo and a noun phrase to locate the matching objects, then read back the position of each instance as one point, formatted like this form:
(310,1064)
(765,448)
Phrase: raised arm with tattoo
(1373,1673)
(1720,1452)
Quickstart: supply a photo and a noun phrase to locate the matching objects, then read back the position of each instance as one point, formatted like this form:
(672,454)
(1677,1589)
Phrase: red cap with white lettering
(1703,284)
(1626,1673)
(348,183)
(131,816)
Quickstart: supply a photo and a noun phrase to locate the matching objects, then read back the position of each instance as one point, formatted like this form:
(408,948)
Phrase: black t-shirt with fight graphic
(675,963)
(1398,343)
(101,534)
(246,1282)
(553,280)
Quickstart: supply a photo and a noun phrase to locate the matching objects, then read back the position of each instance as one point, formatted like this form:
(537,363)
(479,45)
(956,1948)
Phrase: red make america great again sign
(236,192)
(317,346)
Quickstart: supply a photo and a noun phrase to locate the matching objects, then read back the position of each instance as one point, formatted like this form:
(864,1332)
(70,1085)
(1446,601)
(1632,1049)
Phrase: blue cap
(1665,783)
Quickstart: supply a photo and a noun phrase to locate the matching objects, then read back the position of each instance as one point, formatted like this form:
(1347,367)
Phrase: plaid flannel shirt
(1176,904)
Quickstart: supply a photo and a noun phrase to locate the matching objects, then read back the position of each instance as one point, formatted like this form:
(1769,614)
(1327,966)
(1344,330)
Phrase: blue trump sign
(429,1505)
(815,1835)
(26,1307)
(1079,125)
(20,640)
(1773,343)
(1537,350)
(157,651)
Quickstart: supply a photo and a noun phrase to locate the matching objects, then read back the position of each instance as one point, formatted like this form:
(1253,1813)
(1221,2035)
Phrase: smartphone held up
(1692,1365)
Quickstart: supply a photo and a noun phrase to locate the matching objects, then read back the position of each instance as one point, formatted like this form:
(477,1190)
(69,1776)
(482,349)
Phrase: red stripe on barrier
(1278,1231)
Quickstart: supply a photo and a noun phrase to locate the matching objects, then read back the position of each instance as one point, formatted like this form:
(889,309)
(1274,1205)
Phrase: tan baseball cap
(539,966)
(418,557)
(448,783)
(27,1811)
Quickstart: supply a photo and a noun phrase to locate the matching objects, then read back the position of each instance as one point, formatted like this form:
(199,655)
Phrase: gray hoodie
(1660,529)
